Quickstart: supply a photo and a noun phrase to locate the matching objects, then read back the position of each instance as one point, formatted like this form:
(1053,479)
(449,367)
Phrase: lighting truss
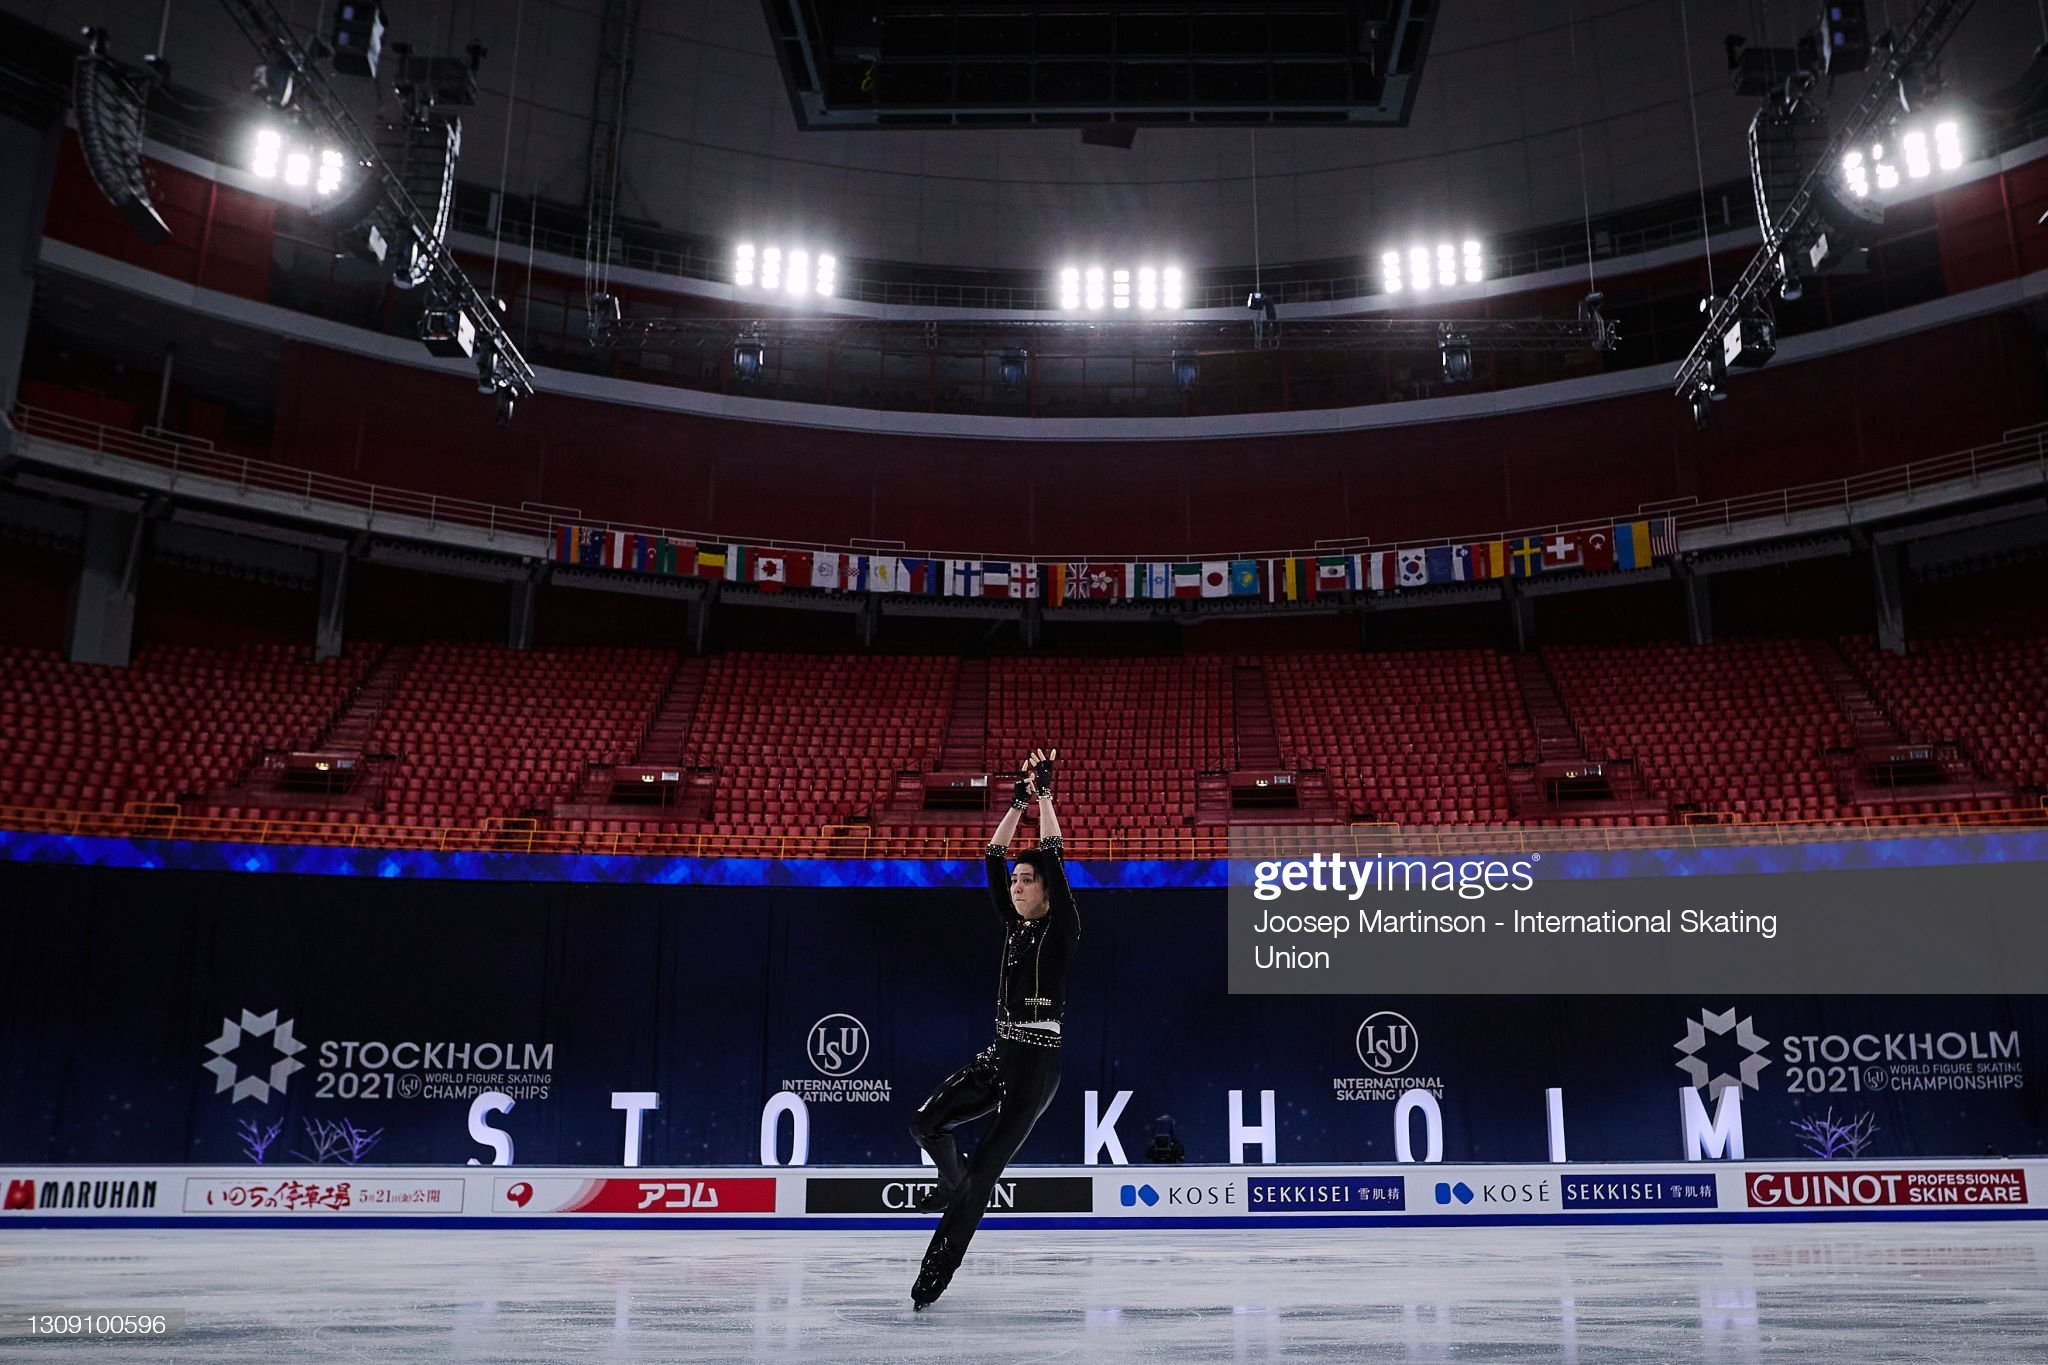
(1920,41)
(435,265)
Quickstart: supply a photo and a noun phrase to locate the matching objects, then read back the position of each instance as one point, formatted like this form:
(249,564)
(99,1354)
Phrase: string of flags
(1294,578)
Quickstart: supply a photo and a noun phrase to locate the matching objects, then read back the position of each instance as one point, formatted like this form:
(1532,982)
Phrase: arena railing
(199,457)
(164,821)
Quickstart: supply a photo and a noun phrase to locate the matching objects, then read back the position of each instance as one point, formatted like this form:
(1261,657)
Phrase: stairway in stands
(346,734)
(663,744)
(964,747)
(1887,764)
(1258,740)
(668,730)
(1564,781)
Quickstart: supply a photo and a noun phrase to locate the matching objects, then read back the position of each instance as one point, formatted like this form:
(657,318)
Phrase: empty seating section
(177,722)
(1737,726)
(1416,738)
(482,732)
(1989,695)
(800,742)
(804,740)
(1132,733)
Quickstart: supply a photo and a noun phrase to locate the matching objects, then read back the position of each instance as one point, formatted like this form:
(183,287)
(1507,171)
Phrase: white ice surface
(1812,1292)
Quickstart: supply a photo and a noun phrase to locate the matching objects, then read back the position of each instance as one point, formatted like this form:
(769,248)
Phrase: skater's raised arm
(995,856)
(1059,896)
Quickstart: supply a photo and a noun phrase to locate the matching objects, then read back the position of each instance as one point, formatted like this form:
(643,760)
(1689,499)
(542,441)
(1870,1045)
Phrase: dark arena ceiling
(1115,64)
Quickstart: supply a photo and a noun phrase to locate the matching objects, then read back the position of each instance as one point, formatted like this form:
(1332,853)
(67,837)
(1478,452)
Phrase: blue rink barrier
(1099,1198)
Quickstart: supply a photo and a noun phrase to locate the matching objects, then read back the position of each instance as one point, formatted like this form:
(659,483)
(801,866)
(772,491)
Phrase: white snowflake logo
(255,1085)
(1696,1030)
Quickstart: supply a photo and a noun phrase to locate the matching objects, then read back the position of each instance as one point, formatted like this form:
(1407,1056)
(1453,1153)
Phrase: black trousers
(1014,1080)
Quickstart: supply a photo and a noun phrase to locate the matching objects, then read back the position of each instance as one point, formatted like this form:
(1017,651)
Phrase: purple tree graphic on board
(1827,1139)
(338,1140)
(256,1141)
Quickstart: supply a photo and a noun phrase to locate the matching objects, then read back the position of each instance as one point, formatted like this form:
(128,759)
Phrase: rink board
(1029,1196)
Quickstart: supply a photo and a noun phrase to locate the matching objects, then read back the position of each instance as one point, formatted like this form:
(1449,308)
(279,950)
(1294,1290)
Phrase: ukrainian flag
(1632,545)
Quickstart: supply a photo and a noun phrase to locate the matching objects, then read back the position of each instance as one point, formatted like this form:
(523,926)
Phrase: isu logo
(838,1045)
(1387,1043)
(1883,1189)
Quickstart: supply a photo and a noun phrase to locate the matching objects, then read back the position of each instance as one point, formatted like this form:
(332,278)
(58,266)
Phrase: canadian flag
(770,572)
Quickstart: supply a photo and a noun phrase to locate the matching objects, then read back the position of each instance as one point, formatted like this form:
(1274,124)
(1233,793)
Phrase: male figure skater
(1014,1076)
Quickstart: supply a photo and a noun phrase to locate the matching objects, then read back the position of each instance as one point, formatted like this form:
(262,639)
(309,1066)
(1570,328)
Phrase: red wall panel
(1900,400)
(220,236)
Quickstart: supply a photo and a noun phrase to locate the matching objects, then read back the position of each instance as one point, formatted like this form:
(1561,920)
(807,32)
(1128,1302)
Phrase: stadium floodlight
(1446,265)
(1390,272)
(329,179)
(1855,175)
(1070,288)
(1918,164)
(298,170)
(771,267)
(1170,295)
(1148,288)
(1948,145)
(828,275)
(1093,279)
(799,271)
(1418,267)
(269,154)
(1120,289)
(1474,268)
(743,264)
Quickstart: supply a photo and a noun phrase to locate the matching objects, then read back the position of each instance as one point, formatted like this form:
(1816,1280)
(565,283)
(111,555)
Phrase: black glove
(1044,775)
(1020,798)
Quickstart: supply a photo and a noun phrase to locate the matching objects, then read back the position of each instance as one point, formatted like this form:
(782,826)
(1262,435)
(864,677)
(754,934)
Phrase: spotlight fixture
(1457,357)
(277,154)
(1187,369)
(1702,400)
(1010,368)
(746,358)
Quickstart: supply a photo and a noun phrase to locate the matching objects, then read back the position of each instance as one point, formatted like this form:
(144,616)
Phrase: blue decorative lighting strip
(930,874)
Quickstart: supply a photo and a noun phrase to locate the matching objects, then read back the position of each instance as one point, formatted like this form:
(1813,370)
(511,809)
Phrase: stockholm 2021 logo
(837,1045)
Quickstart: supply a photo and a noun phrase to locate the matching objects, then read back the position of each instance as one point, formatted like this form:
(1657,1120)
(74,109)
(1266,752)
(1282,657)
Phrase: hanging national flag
(1215,578)
(1334,574)
(827,571)
(711,561)
(1054,579)
(1244,578)
(1663,536)
(1632,545)
(995,578)
(1187,580)
(915,576)
(1032,586)
(1442,564)
(736,557)
(1414,565)
(1488,559)
(1376,570)
(589,547)
(568,544)
(1561,551)
(1158,579)
(1095,582)
(963,578)
(1597,548)
(881,573)
(770,571)
(1525,557)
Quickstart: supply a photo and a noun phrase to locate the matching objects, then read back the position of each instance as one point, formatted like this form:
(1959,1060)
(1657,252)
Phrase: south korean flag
(1414,568)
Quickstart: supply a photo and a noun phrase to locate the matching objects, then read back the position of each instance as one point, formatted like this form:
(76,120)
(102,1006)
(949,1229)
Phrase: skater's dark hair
(1036,859)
